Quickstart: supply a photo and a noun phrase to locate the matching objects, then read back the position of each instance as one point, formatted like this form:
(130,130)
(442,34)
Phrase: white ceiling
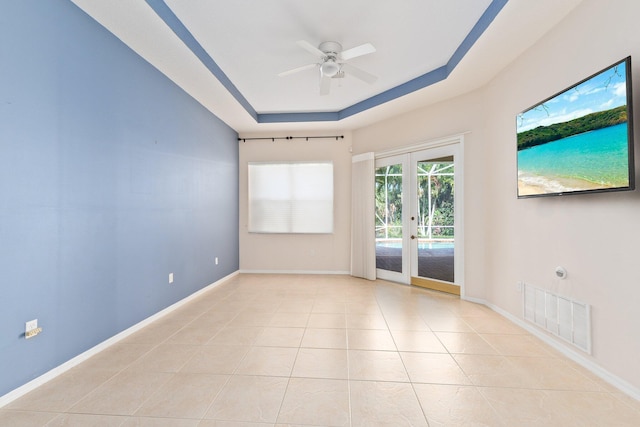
(252,41)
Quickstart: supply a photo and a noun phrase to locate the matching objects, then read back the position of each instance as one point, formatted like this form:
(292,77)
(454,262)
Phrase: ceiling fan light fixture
(330,68)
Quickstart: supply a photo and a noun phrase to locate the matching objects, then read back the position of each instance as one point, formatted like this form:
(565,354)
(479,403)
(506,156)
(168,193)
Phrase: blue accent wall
(111,177)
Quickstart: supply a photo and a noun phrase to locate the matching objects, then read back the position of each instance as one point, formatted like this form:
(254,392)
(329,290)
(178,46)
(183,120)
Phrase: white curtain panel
(363,234)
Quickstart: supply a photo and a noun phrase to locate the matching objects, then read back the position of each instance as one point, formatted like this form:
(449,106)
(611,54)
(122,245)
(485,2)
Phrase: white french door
(419,217)
(392,219)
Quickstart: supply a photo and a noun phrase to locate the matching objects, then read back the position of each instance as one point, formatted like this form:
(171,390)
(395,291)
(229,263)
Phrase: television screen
(579,140)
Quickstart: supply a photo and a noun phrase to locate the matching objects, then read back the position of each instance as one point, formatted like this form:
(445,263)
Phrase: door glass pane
(389,218)
(436,219)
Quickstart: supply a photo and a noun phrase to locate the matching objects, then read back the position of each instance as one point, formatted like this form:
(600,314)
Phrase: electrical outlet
(31,325)
(519,286)
(216,260)
(170,277)
(31,329)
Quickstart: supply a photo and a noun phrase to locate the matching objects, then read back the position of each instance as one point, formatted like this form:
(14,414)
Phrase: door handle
(413,237)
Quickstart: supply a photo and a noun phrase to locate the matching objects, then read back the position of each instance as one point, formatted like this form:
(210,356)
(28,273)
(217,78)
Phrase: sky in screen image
(602,92)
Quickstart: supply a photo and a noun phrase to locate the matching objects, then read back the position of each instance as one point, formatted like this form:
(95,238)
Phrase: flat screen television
(579,140)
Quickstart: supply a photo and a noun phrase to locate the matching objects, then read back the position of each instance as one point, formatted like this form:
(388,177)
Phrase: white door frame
(429,154)
(453,145)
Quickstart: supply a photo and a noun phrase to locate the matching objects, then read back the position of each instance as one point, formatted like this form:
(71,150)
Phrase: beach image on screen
(577,140)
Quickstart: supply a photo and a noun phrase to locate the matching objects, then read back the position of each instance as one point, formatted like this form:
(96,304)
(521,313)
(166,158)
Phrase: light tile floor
(276,350)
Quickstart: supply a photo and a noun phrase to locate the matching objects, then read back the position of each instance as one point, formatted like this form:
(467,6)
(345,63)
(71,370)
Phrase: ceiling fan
(333,63)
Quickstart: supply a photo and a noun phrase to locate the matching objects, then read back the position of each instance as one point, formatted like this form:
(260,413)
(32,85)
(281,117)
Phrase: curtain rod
(337,137)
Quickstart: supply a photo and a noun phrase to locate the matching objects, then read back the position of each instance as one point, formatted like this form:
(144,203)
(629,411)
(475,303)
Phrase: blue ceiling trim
(167,15)
(483,23)
(298,117)
(418,83)
(425,80)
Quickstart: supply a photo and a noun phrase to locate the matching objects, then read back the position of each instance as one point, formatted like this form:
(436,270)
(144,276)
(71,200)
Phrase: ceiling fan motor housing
(330,48)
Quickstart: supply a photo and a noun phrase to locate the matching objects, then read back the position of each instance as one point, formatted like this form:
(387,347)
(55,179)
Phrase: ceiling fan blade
(359,74)
(354,52)
(297,70)
(325,85)
(311,48)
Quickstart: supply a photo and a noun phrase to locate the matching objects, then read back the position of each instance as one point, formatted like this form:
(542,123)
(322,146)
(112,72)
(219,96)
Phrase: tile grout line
(415,394)
(350,406)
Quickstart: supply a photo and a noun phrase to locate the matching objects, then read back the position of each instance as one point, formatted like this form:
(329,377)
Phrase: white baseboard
(48,376)
(475,300)
(580,359)
(327,272)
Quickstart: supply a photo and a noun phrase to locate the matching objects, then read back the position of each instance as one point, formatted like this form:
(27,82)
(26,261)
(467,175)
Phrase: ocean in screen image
(592,160)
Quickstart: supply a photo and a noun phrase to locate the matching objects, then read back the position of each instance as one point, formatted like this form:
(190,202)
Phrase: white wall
(595,237)
(312,253)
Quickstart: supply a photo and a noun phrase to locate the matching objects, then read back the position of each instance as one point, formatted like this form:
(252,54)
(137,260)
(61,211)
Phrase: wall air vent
(561,316)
